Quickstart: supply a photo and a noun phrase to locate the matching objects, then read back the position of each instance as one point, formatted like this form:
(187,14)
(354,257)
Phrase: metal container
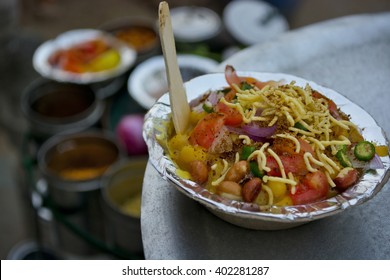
(30,250)
(121,199)
(140,33)
(54,107)
(73,165)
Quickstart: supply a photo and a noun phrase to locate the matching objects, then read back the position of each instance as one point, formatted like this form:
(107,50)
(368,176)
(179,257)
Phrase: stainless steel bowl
(121,198)
(53,107)
(73,165)
(249,215)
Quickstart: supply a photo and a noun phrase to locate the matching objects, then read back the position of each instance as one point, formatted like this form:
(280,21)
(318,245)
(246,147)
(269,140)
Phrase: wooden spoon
(177,93)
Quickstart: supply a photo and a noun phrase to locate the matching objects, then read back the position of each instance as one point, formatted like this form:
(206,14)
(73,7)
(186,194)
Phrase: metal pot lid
(253,21)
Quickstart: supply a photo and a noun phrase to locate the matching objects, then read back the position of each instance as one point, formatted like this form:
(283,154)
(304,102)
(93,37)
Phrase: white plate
(70,38)
(253,21)
(195,24)
(249,215)
(148,81)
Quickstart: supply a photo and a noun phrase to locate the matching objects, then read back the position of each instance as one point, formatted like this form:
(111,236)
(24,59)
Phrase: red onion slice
(255,130)
(375,163)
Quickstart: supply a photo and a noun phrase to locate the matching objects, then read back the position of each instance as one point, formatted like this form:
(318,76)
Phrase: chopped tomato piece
(207,129)
(331,105)
(273,165)
(232,116)
(71,64)
(312,188)
(294,164)
(287,147)
(230,95)
(291,163)
(305,146)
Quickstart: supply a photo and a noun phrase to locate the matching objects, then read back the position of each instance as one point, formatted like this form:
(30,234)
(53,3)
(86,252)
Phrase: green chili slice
(300,126)
(364,151)
(247,151)
(246,86)
(207,108)
(343,158)
(254,168)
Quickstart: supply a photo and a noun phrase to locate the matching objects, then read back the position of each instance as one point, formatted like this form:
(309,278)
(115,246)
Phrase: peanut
(251,189)
(230,188)
(238,171)
(199,171)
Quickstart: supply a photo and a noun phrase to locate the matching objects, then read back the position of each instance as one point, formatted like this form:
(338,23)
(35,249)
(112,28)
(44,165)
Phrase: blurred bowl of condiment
(148,81)
(53,107)
(192,24)
(259,21)
(73,165)
(139,33)
(83,56)
(121,199)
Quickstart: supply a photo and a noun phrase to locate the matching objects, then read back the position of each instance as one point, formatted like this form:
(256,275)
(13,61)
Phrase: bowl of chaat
(83,56)
(269,151)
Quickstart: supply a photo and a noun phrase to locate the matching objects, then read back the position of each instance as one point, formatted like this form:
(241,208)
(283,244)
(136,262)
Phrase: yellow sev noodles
(293,104)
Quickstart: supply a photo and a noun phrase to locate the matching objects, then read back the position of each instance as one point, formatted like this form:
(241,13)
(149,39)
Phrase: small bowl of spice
(139,33)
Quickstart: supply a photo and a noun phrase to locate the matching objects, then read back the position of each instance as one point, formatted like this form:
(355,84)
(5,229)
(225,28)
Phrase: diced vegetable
(343,158)
(177,142)
(207,130)
(382,150)
(313,187)
(129,134)
(105,61)
(254,168)
(246,86)
(364,151)
(247,151)
(190,153)
(285,201)
(279,189)
(232,116)
(207,108)
(300,126)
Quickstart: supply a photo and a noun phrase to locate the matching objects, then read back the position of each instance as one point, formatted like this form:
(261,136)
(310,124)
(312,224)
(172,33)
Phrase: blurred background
(27,220)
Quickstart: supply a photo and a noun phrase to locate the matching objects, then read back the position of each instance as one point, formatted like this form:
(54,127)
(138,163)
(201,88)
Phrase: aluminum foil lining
(253,216)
